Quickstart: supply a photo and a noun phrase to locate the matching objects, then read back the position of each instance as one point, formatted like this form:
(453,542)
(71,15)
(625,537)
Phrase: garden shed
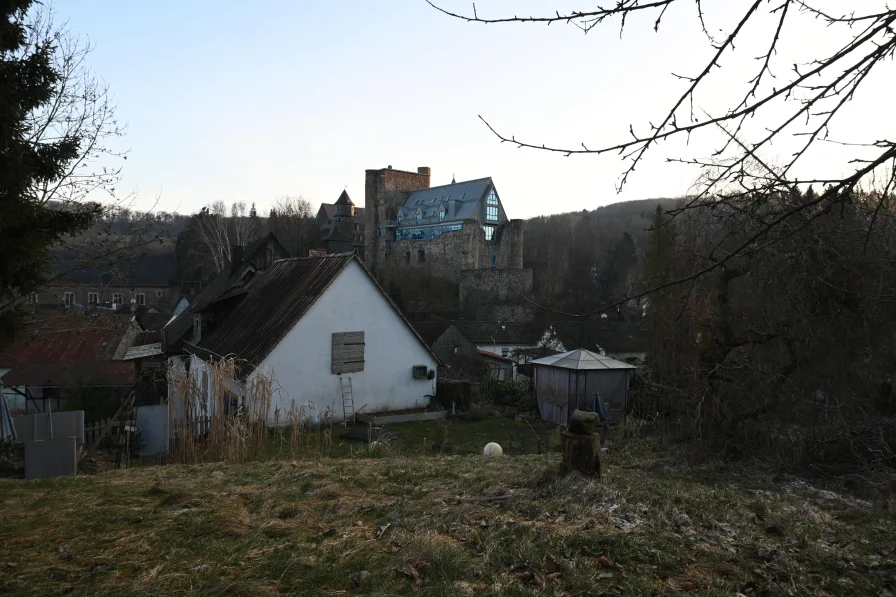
(575,380)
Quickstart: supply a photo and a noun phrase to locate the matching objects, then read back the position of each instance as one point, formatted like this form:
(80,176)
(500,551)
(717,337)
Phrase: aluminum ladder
(348,400)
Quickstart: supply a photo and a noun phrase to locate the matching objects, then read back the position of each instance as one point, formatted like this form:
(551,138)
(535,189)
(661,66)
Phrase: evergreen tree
(28,226)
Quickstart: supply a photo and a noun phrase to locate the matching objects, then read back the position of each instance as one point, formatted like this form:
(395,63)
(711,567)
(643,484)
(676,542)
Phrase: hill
(440,526)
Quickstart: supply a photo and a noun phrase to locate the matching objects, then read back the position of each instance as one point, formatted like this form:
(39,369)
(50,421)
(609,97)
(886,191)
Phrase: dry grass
(439,526)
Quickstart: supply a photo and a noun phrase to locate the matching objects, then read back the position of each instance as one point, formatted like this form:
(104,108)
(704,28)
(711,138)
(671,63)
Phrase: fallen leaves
(606,562)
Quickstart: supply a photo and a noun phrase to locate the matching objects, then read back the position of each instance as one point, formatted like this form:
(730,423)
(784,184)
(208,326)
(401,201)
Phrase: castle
(459,232)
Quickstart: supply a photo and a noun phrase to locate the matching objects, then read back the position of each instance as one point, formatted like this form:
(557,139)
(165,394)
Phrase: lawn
(444,525)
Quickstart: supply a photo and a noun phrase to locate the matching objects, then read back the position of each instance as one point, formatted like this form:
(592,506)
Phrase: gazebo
(576,380)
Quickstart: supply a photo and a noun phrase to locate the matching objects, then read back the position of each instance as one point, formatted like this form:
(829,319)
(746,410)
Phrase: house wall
(156,296)
(300,364)
(463,364)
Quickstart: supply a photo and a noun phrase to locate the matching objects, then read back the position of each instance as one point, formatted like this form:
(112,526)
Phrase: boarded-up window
(348,352)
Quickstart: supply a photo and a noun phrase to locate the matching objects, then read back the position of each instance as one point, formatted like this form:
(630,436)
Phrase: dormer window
(399,218)
(441,214)
(419,218)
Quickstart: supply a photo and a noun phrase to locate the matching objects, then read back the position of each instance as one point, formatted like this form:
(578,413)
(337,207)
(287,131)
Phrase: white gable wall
(300,364)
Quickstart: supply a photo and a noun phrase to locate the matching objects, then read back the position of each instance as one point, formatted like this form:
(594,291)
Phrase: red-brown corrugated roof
(66,350)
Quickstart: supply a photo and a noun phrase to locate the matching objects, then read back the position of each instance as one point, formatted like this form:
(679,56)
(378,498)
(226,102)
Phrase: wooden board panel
(347,352)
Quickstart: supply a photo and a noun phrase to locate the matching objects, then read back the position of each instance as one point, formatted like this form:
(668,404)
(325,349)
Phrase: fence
(94,432)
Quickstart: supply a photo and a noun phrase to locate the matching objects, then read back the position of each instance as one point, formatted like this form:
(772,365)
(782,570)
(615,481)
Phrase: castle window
(491,213)
(494,260)
(421,255)
(442,214)
(492,198)
(399,220)
(489,232)
(419,218)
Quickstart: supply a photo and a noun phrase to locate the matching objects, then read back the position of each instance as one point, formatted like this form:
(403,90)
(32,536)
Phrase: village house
(61,356)
(117,282)
(621,340)
(321,329)
(461,359)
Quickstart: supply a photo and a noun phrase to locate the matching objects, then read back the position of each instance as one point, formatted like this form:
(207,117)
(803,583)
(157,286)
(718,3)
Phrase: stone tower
(385,190)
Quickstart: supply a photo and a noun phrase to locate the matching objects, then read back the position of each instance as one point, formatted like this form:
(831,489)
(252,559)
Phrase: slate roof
(344,199)
(330,210)
(66,350)
(581,359)
(505,332)
(276,299)
(611,336)
(119,269)
(469,193)
(431,331)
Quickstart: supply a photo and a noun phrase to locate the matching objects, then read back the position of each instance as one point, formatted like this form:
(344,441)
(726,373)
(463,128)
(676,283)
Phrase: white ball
(492,449)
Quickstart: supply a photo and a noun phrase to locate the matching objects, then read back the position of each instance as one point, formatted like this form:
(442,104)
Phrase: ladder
(348,400)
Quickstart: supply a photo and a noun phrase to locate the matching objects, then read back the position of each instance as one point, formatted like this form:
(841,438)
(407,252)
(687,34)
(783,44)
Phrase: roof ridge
(452,184)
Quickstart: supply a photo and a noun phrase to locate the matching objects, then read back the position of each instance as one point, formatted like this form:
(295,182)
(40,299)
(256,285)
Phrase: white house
(315,326)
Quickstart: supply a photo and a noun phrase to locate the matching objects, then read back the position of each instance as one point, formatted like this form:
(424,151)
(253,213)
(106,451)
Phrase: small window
(442,215)
(34,298)
(159,294)
(347,352)
(141,298)
(494,260)
(399,223)
(419,218)
(505,352)
(492,198)
(93,298)
(421,256)
(116,298)
(456,348)
(491,213)
(489,232)
(69,299)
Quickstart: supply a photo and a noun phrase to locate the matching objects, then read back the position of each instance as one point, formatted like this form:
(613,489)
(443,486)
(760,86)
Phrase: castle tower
(385,190)
(344,208)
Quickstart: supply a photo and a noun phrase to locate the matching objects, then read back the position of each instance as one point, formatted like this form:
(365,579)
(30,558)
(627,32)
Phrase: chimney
(236,257)
(426,171)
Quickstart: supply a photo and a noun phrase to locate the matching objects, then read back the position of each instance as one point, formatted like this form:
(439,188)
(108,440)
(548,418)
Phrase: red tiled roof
(65,350)
(492,355)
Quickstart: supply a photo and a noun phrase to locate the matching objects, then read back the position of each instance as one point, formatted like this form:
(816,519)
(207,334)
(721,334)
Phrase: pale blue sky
(251,101)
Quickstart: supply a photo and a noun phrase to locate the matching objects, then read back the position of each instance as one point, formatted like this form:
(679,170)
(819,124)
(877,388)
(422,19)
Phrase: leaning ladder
(348,400)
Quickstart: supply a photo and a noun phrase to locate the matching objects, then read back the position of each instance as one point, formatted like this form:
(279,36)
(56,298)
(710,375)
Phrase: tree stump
(580,445)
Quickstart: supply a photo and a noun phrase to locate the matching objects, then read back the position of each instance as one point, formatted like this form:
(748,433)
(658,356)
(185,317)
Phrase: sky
(240,101)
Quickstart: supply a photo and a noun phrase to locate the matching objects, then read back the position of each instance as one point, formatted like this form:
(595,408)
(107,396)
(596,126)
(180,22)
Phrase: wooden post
(580,444)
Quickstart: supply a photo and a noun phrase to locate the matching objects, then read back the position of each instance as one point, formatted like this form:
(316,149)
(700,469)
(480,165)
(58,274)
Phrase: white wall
(300,364)
(152,423)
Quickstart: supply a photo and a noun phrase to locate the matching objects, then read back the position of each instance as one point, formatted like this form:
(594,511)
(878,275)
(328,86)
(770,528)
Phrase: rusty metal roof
(65,350)
(276,299)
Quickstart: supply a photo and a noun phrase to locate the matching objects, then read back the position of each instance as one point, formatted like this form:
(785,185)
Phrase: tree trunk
(581,453)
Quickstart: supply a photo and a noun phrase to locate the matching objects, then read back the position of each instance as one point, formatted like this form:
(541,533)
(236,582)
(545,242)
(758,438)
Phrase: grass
(440,526)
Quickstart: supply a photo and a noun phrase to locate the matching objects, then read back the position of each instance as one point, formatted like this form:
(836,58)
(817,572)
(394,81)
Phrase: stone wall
(500,285)
(465,249)
(494,294)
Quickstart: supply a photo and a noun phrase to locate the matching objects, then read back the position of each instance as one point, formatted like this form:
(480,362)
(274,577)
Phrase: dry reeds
(216,417)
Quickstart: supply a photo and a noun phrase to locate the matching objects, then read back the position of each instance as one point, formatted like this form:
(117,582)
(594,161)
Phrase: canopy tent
(583,380)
